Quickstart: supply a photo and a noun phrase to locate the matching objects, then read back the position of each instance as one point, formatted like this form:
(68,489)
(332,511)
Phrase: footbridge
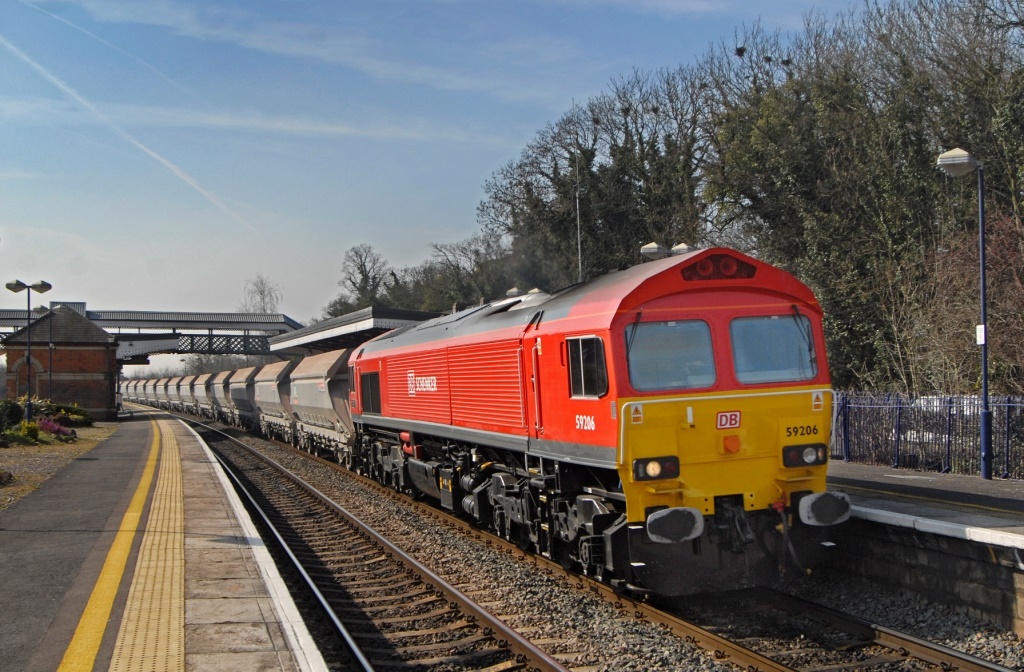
(141,333)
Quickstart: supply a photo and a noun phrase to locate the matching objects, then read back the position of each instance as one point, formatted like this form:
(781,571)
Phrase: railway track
(392,611)
(802,635)
(813,637)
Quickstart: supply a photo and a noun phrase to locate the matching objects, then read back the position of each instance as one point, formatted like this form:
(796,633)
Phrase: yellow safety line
(81,653)
(153,628)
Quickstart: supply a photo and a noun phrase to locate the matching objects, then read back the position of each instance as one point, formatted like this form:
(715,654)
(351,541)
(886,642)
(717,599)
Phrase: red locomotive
(664,427)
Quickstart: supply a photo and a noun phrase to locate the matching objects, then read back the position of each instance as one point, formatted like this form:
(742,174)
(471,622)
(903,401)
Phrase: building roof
(60,325)
(346,331)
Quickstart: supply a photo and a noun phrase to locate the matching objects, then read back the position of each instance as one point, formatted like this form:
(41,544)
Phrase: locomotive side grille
(487,385)
(417,387)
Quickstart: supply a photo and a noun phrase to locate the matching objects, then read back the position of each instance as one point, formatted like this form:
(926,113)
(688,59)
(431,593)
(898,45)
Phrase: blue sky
(156,154)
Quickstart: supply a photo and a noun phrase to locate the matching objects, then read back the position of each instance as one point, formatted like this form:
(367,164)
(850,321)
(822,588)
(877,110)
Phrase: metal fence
(933,433)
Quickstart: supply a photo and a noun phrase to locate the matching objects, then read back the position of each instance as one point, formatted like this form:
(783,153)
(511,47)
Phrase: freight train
(665,428)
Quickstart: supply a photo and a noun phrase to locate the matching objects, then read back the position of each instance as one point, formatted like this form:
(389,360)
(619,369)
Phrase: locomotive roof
(600,299)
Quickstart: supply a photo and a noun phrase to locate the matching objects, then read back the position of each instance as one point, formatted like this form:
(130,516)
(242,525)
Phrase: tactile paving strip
(152,633)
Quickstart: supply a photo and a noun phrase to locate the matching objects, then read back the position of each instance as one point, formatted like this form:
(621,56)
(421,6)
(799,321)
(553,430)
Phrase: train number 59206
(801,430)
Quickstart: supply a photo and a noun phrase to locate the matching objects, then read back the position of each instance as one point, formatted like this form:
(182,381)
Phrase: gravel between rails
(609,640)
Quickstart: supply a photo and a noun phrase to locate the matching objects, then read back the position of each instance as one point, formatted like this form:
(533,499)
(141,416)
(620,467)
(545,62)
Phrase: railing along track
(395,612)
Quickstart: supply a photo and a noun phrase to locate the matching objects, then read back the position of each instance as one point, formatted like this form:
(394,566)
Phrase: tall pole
(49,366)
(956,163)
(41,287)
(986,412)
(28,356)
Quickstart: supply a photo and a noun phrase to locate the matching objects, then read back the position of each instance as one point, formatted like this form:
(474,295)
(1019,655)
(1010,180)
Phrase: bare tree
(363,274)
(260,295)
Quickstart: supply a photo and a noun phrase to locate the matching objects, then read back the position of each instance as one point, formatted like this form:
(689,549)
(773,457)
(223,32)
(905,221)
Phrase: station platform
(139,556)
(964,507)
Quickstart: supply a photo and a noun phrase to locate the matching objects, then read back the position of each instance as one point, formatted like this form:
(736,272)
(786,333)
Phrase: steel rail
(354,650)
(721,648)
(526,653)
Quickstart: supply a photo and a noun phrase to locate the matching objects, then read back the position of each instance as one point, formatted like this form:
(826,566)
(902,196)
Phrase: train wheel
(591,555)
(563,554)
(500,524)
(523,538)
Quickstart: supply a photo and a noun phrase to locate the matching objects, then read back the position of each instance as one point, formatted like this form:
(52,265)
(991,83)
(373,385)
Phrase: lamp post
(41,287)
(49,372)
(956,163)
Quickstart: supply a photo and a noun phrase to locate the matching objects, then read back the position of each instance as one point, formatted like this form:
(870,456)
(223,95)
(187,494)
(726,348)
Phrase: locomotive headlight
(652,468)
(805,456)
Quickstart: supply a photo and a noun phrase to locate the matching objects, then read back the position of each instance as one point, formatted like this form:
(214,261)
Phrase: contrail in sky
(175,170)
(152,68)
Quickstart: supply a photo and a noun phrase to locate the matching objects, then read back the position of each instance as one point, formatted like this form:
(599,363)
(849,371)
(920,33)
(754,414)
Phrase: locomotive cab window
(588,375)
(773,349)
(369,392)
(670,355)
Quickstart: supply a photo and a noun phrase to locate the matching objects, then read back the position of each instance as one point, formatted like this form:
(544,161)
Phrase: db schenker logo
(420,383)
(728,420)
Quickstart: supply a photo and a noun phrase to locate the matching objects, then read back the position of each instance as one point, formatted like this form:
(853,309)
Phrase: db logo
(728,420)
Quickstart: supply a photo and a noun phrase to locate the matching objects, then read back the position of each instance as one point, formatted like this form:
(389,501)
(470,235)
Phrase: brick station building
(73,362)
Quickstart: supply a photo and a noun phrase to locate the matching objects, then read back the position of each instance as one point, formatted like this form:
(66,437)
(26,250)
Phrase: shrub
(78,418)
(11,413)
(30,430)
(63,414)
(41,407)
(58,431)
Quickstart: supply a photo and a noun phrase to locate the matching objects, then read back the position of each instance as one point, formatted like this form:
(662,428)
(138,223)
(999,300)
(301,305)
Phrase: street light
(16,286)
(956,163)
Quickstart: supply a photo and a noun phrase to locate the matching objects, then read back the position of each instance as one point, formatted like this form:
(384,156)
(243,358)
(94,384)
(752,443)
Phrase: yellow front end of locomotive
(759,447)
